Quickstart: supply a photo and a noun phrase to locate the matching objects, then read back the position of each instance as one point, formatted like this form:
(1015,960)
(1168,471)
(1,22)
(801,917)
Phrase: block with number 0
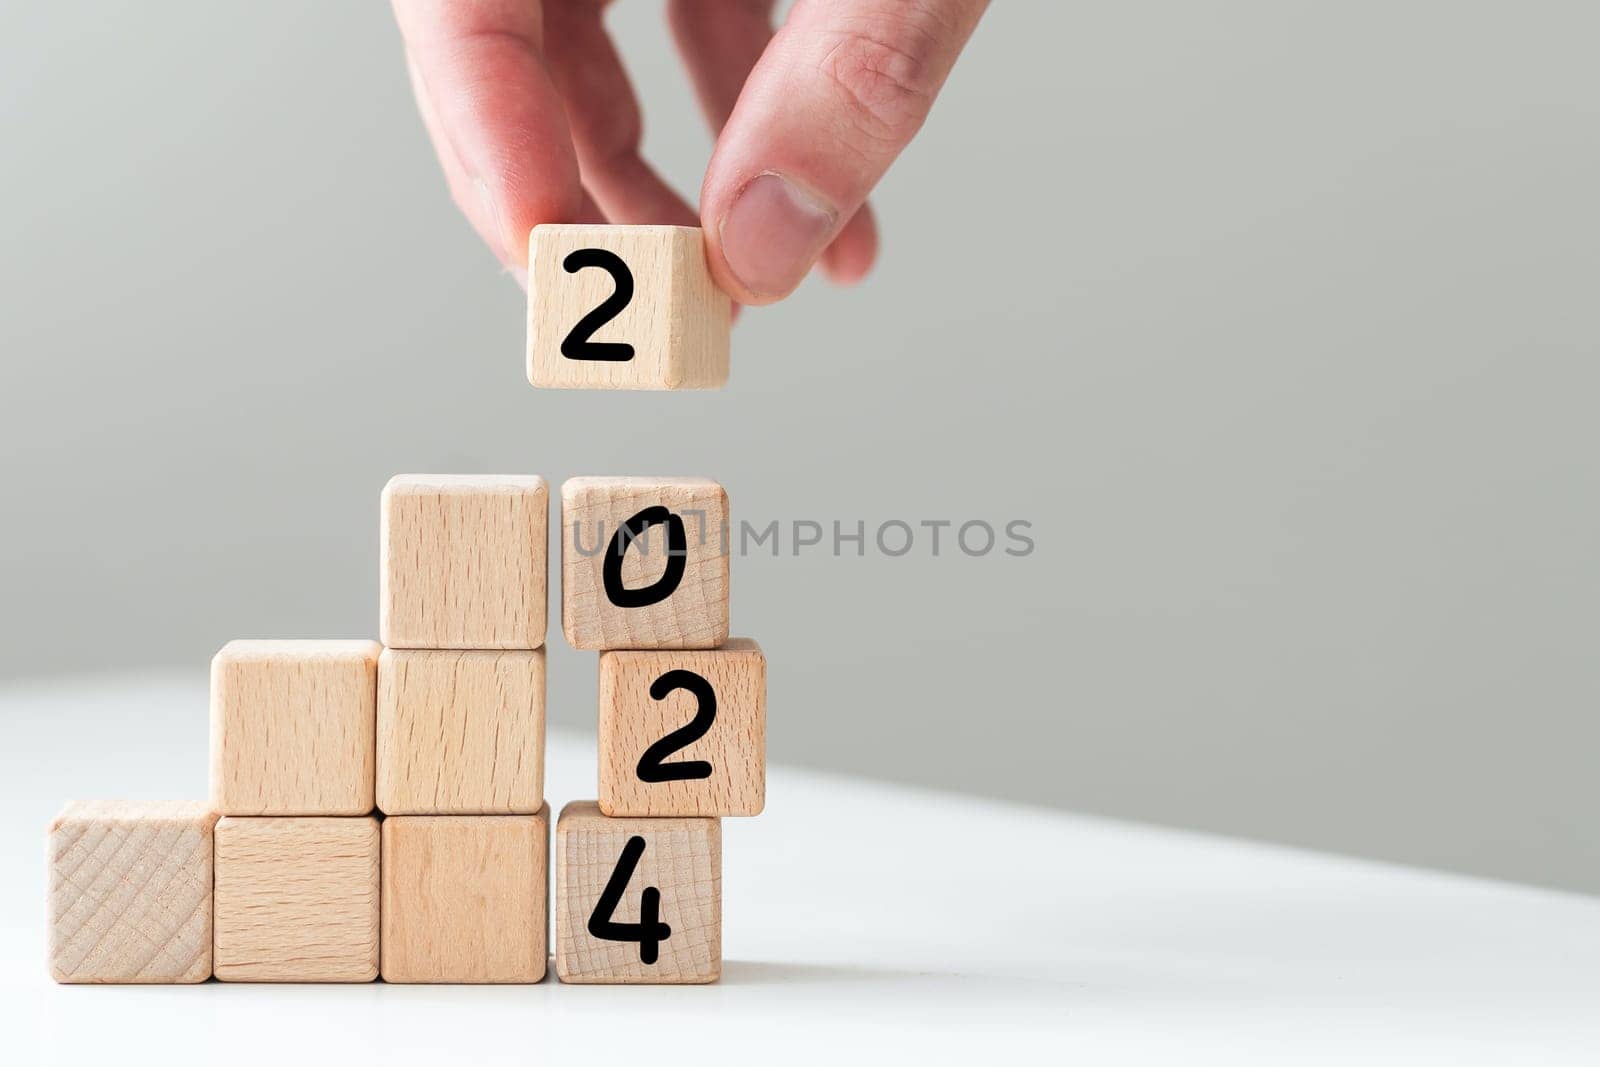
(644,563)
(624,307)
(683,732)
(638,901)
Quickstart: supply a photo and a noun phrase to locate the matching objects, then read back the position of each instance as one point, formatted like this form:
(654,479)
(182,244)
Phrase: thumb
(838,93)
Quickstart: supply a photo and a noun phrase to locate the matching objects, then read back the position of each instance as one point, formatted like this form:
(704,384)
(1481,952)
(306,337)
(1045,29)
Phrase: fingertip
(495,116)
(764,239)
(517,205)
(850,257)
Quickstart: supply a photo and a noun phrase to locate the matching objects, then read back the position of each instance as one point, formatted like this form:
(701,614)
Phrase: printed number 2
(577,344)
(651,769)
(649,931)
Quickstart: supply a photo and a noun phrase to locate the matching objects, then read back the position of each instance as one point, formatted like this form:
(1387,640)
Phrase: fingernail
(773,233)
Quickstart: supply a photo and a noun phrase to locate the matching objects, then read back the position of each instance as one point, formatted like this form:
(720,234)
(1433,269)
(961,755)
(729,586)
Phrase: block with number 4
(624,307)
(644,563)
(638,901)
(683,732)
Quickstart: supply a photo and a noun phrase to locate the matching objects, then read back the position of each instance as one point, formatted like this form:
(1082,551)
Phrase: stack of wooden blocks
(378,809)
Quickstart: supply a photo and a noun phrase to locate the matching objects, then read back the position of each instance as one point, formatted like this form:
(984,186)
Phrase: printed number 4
(649,931)
(577,344)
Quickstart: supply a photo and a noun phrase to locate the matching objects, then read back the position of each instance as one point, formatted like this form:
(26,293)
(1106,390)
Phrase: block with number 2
(683,732)
(624,307)
(638,901)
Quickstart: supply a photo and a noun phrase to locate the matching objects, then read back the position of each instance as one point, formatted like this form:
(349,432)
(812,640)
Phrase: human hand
(534,121)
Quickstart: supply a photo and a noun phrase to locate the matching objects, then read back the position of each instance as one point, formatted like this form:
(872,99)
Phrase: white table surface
(861,922)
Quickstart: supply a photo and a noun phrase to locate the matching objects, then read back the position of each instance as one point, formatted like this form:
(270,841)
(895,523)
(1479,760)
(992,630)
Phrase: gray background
(1278,321)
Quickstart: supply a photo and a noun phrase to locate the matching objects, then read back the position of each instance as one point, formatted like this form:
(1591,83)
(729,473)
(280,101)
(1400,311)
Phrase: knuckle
(885,68)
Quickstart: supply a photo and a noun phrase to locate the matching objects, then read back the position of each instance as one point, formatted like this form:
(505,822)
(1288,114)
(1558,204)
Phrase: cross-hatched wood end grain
(296,899)
(461,733)
(464,898)
(671,588)
(130,892)
(292,727)
(680,859)
(464,561)
(684,732)
(624,307)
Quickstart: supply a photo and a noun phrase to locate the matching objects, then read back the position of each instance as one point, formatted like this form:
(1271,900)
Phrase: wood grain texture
(682,858)
(735,745)
(677,320)
(130,892)
(695,615)
(461,732)
(296,900)
(292,725)
(464,897)
(464,561)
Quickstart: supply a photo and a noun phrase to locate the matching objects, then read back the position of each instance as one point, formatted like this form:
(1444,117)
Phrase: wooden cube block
(684,732)
(460,732)
(130,891)
(464,897)
(292,727)
(297,900)
(464,561)
(644,563)
(624,307)
(638,901)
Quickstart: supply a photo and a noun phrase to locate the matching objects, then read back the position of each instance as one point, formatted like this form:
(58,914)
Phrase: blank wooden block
(624,307)
(644,563)
(638,901)
(684,732)
(460,732)
(464,559)
(130,891)
(297,900)
(464,897)
(292,727)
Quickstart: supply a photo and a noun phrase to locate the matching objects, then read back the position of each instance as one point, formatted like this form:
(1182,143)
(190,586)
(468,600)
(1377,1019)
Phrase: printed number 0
(649,931)
(577,344)
(651,769)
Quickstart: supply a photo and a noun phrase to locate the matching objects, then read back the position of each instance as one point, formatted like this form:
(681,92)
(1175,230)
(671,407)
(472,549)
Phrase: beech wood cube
(464,561)
(684,732)
(644,563)
(464,897)
(130,891)
(461,732)
(638,901)
(296,900)
(624,307)
(292,725)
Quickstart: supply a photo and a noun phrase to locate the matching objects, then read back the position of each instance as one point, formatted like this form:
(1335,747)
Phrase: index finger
(496,120)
